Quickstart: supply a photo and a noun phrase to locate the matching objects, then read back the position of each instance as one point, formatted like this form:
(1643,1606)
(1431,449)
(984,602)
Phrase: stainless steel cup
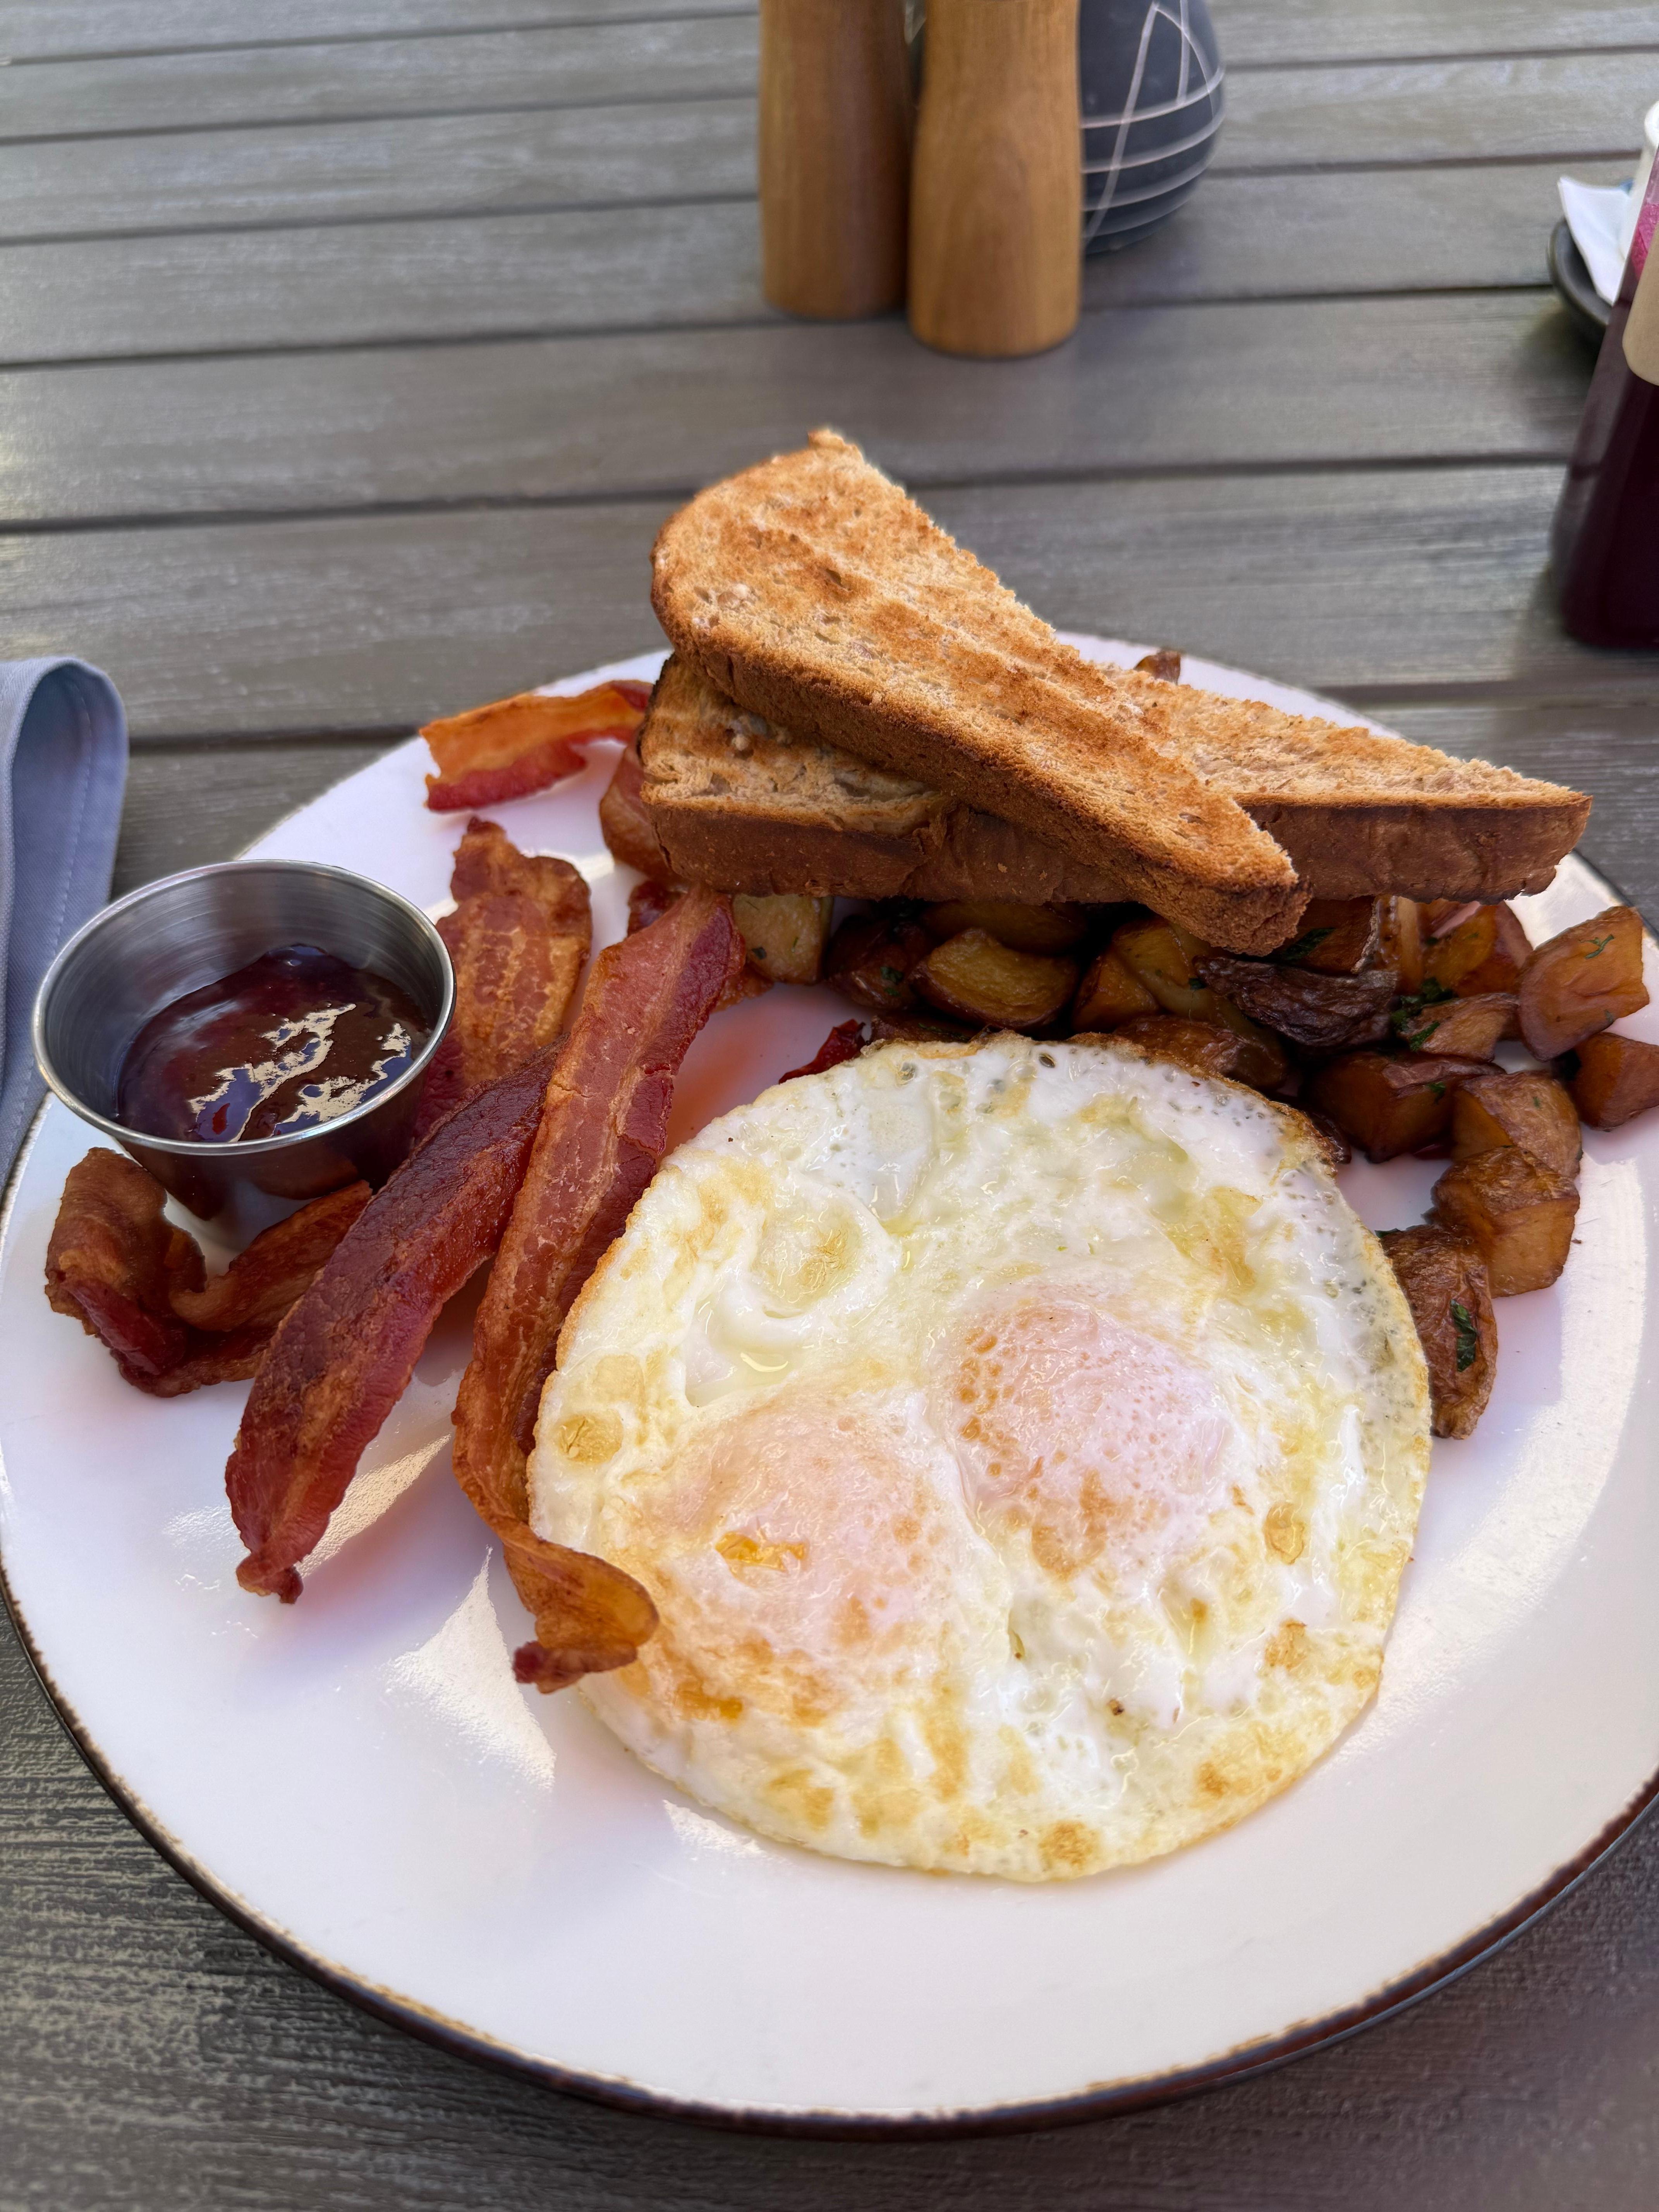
(172,937)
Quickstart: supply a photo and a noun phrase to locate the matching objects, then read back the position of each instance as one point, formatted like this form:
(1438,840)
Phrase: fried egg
(1022,1443)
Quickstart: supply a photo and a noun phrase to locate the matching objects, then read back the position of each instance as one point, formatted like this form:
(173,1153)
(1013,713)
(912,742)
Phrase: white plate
(358,1779)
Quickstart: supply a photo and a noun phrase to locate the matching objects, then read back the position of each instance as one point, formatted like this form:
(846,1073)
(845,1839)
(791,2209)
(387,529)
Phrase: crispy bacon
(626,827)
(262,1281)
(603,1129)
(118,1267)
(845,1042)
(514,746)
(345,1351)
(518,941)
(649,901)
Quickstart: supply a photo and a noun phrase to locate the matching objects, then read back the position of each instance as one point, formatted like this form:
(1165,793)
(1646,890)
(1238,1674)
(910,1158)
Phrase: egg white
(1022,1443)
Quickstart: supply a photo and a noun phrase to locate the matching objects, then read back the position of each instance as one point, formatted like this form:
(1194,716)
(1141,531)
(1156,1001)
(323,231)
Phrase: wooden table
(347,374)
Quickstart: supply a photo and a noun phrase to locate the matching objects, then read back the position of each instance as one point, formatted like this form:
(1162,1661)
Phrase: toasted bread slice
(741,804)
(745,807)
(813,593)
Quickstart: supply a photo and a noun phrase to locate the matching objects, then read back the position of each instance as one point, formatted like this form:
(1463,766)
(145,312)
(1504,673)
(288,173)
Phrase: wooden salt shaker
(835,154)
(996,189)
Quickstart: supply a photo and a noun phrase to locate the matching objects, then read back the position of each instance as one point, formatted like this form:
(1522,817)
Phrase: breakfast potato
(1529,1108)
(1518,1214)
(1206,1049)
(1616,1078)
(1110,993)
(1163,958)
(869,958)
(1337,937)
(786,935)
(1321,1010)
(1581,981)
(1447,1287)
(1389,1103)
(1474,952)
(1466,1029)
(978,979)
(1022,928)
(1400,941)
(1164,661)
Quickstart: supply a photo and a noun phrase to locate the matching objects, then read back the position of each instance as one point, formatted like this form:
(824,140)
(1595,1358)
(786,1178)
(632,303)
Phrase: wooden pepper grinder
(835,154)
(996,189)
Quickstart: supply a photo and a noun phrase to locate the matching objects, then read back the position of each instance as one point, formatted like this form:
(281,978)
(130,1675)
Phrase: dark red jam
(294,1038)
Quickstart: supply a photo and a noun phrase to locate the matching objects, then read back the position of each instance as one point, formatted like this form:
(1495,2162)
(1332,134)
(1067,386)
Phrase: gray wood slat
(334,172)
(1395,111)
(44,30)
(638,268)
(1254,33)
(1372,585)
(188,805)
(479,163)
(566,65)
(1447,376)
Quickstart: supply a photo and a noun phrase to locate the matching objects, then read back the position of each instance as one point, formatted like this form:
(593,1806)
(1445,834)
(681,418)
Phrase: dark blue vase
(1150,78)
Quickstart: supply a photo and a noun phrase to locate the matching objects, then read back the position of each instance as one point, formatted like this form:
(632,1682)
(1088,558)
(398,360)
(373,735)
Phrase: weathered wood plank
(1376,586)
(564,64)
(42,30)
(1254,33)
(1543,105)
(1306,382)
(188,805)
(337,171)
(638,268)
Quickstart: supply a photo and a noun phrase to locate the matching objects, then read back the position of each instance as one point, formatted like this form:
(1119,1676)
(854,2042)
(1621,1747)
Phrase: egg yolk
(1099,1440)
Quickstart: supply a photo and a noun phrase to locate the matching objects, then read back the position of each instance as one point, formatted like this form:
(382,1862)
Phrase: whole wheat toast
(814,593)
(744,806)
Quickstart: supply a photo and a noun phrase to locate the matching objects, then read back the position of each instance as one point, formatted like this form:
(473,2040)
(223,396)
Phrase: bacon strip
(603,1129)
(518,941)
(514,746)
(345,1351)
(262,1281)
(118,1267)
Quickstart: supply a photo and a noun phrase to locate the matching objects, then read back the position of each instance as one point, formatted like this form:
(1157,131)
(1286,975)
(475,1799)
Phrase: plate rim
(1099,2101)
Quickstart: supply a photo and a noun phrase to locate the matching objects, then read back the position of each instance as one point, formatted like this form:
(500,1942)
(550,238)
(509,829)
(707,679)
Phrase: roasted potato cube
(1446,1285)
(1583,980)
(1325,1011)
(974,977)
(786,935)
(1401,941)
(1518,1214)
(1162,957)
(1164,661)
(1617,1077)
(1165,958)
(1466,1029)
(1528,1108)
(1336,937)
(1022,928)
(1389,1103)
(1206,1049)
(1110,993)
(1486,950)
(870,959)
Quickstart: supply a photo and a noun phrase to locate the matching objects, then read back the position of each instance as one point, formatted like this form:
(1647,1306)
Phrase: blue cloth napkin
(63,772)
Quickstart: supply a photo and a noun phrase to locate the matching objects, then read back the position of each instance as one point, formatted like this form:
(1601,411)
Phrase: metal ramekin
(172,937)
